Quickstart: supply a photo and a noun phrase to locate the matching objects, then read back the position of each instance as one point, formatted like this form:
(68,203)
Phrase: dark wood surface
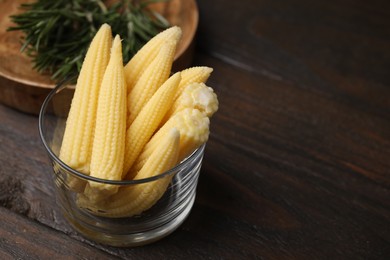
(297,165)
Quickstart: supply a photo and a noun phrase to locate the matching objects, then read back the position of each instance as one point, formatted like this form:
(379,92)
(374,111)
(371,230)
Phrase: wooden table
(297,165)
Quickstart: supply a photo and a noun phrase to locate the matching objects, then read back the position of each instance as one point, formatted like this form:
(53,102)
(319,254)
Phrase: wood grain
(29,240)
(297,165)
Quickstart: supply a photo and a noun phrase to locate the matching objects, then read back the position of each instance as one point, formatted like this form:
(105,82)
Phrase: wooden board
(23,88)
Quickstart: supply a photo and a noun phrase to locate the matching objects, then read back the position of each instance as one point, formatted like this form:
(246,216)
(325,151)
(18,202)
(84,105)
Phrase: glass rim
(60,86)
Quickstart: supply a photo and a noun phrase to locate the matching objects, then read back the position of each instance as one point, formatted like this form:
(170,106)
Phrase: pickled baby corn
(193,126)
(109,139)
(147,121)
(195,95)
(198,74)
(153,77)
(76,148)
(136,66)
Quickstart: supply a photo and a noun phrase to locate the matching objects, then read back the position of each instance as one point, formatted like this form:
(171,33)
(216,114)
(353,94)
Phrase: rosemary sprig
(57,33)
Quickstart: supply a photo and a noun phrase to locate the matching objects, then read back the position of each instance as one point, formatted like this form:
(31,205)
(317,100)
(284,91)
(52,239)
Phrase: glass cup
(166,215)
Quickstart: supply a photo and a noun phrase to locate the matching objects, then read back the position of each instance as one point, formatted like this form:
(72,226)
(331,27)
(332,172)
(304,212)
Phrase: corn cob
(193,126)
(135,67)
(154,76)
(192,75)
(76,148)
(133,200)
(195,95)
(108,146)
(147,121)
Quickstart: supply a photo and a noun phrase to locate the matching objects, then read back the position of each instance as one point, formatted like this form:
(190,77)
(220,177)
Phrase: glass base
(131,239)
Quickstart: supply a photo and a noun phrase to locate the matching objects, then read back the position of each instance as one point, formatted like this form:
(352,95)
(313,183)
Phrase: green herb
(57,33)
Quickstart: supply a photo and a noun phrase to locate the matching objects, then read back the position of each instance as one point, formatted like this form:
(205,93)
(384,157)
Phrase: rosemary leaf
(56,34)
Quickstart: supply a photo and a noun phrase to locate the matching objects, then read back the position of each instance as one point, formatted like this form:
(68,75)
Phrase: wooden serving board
(22,88)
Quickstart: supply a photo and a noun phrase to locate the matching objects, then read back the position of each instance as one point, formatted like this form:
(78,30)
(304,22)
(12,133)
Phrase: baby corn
(153,77)
(147,121)
(109,140)
(193,75)
(193,126)
(76,148)
(195,95)
(135,67)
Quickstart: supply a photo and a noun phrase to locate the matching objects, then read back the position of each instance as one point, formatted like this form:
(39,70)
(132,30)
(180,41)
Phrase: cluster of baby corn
(133,122)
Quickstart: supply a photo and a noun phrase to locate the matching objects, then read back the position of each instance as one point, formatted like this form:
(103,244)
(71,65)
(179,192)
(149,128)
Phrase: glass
(155,223)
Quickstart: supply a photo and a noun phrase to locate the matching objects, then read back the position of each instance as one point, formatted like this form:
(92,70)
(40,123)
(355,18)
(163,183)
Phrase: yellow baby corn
(195,95)
(133,200)
(76,148)
(194,131)
(135,67)
(193,126)
(147,121)
(154,76)
(109,140)
(191,75)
